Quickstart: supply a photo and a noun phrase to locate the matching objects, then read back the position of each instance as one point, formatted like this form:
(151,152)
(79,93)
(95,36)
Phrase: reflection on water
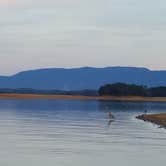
(78,133)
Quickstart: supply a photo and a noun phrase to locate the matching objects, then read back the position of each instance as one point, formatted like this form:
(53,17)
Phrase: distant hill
(82,78)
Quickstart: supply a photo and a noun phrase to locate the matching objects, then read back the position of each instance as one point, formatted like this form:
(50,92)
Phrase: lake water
(79,133)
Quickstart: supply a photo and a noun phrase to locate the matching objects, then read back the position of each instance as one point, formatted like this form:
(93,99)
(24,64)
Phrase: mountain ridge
(83,78)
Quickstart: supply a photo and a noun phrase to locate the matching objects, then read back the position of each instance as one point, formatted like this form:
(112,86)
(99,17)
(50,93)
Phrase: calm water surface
(79,133)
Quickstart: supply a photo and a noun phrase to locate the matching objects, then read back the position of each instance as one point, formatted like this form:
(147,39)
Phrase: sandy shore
(77,97)
(159,119)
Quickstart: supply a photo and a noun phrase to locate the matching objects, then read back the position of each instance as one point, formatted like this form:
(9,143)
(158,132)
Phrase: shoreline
(79,97)
(158,119)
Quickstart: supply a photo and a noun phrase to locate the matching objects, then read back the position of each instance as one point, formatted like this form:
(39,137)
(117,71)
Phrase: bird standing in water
(111,118)
(145,111)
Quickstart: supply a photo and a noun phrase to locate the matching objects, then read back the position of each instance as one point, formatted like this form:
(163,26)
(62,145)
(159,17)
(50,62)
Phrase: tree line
(117,89)
(123,89)
(84,92)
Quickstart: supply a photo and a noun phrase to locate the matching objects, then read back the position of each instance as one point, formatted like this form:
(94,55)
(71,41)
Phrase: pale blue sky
(72,33)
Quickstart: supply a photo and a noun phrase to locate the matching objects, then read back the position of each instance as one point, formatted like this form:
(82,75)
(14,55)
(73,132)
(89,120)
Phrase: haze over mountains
(82,78)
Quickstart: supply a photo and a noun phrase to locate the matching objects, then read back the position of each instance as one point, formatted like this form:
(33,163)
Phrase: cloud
(38,3)
(115,32)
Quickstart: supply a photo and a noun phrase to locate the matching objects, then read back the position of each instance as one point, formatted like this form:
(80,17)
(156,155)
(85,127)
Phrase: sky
(74,33)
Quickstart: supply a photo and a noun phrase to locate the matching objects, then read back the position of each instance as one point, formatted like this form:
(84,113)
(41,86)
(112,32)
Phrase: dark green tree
(122,89)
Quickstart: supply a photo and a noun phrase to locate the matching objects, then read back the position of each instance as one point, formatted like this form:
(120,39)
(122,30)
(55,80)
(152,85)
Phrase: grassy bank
(81,97)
